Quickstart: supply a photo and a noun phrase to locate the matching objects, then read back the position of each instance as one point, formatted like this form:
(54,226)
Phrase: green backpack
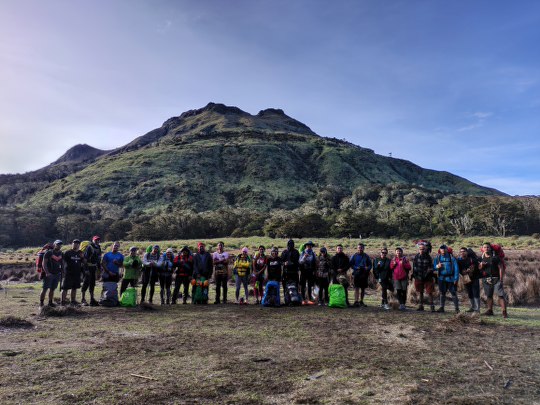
(337,296)
(129,297)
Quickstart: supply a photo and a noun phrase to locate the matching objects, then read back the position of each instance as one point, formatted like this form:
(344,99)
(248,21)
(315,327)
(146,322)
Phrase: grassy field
(252,355)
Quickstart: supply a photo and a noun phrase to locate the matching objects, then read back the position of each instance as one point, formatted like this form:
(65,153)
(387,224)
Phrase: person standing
(448,273)
(242,269)
(183,264)
(383,274)
(220,259)
(202,272)
(260,264)
(132,270)
(308,266)
(423,275)
(111,263)
(493,273)
(324,268)
(92,256)
(400,267)
(165,276)
(275,266)
(340,265)
(73,261)
(53,266)
(290,258)
(361,265)
(152,262)
(468,268)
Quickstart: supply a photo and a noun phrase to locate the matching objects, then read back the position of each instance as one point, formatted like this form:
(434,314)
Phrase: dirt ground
(187,354)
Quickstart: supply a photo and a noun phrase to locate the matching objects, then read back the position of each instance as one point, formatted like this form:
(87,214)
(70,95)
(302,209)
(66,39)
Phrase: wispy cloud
(480,118)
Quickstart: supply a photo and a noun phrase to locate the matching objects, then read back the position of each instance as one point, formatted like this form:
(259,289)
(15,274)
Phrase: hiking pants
(307,277)
(89,280)
(445,286)
(239,281)
(385,286)
(323,284)
(125,283)
(165,282)
(473,289)
(148,277)
(179,281)
(221,283)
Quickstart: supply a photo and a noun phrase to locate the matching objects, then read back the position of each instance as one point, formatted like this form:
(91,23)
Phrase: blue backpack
(271,295)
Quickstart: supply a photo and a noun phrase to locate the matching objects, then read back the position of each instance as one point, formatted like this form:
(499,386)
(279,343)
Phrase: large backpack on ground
(291,295)
(271,295)
(129,297)
(110,294)
(337,295)
(201,291)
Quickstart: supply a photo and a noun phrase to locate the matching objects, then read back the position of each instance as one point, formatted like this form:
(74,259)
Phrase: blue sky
(449,85)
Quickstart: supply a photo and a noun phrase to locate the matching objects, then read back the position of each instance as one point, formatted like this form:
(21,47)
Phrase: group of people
(309,272)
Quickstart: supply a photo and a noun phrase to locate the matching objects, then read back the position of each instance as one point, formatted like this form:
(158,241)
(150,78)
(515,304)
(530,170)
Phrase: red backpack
(39,258)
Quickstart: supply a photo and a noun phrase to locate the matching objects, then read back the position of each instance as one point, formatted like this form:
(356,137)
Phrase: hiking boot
(356,304)
(432,308)
(257,302)
(420,308)
(402,307)
(386,307)
(505,314)
(168,302)
(362,304)
(489,312)
(41,304)
(173,302)
(51,304)
(184,302)
(84,303)
(457,310)
(63,303)
(75,304)
(224,301)
(441,310)
(162,302)
(94,303)
(470,310)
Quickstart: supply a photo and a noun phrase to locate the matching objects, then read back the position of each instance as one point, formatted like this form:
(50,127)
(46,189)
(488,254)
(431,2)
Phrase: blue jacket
(361,264)
(450,270)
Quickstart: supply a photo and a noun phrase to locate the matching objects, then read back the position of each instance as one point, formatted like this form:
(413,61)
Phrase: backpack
(110,294)
(498,250)
(271,295)
(84,245)
(200,296)
(291,295)
(129,297)
(39,259)
(337,295)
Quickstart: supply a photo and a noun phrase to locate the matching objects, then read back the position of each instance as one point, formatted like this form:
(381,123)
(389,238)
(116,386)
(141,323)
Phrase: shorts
(360,282)
(51,281)
(400,284)
(495,287)
(420,285)
(72,280)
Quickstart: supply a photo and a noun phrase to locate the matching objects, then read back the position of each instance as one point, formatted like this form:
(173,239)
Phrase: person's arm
(456,270)
(146,261)
(502,270)
(45,263)
(369,264)
(104,265)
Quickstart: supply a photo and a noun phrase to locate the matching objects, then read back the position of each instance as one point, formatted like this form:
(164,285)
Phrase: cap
(169,250)
(443,247)
(200,244)
(309,243)
(131,249)
(76,241)
(245,250)
(58,242)
(323,250)
(96,237)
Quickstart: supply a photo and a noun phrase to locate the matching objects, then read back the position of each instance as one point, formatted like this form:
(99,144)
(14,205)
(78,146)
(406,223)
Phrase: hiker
(324,268)
(290,258)
(445,265)
(260,263)
(183,264)
(242,270)
(73,262)
(165,276)
(111,263)
(340,265)
(53,266)
(493,272)
(220,259)
(468,268)
(308,266)
(202,272)
(361,265)
(274,268)
(383,274)
(423,276)
(132,270)
(152,262)
(400,267)
(92,255)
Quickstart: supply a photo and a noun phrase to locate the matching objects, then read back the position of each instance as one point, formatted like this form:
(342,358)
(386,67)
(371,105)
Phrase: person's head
(422,248)
(262,249)
(323,251)
(274,252)
(201,248)
(443,250)
(463,252)
(290,244)
(486,247)
(245,251)
(339,249)
(220,247)
(169,253)
(133,251)
(155,249)
(399,252)
(57,245)
(309,245)
(75,244)
(360,248)
(185,251)
(96,239)
(115,246)
(384,253)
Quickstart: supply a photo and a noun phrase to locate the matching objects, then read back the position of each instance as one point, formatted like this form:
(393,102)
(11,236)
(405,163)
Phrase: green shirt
(132,267)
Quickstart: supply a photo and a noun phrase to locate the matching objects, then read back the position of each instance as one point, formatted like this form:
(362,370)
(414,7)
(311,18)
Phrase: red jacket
(401,268)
